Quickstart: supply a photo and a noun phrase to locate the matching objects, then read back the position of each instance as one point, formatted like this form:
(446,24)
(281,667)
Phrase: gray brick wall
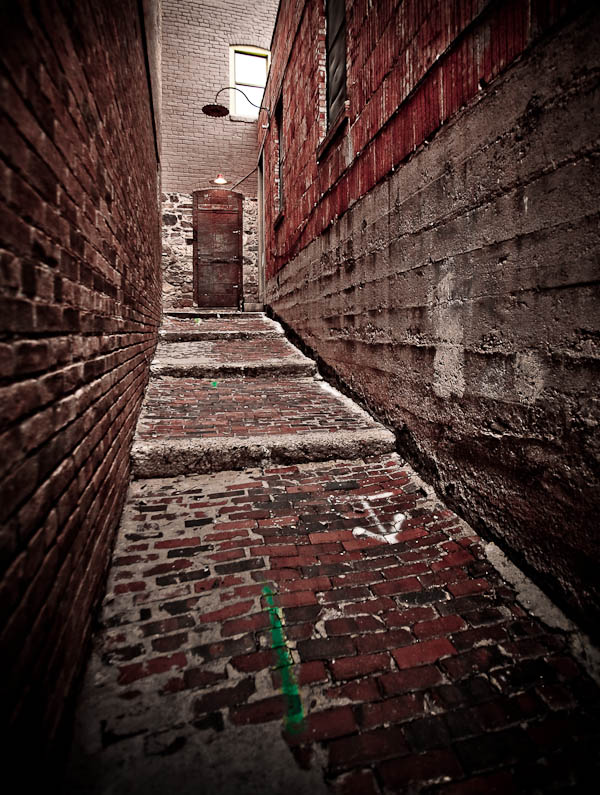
(195,62)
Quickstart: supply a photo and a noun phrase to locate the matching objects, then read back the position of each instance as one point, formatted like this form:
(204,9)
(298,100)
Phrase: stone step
(234,325)
(190,425)
(192,335)
(207,312)
(233,357)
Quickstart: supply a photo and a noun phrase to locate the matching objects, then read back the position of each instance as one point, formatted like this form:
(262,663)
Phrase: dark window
(280,152)
(336,58)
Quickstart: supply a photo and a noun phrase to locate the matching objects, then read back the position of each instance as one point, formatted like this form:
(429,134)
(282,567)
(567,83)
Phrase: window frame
(341,97)
(279,193)
(244,49)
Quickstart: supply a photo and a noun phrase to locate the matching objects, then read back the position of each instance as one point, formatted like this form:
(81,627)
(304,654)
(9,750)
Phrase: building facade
(209,45)
(431,192)
(80,308)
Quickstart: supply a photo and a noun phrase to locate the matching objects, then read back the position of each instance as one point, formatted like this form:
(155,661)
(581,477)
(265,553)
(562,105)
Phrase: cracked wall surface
(459,299)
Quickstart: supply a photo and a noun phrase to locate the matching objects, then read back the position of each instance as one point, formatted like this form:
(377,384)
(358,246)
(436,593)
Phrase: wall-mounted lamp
(216,110)
(219,180)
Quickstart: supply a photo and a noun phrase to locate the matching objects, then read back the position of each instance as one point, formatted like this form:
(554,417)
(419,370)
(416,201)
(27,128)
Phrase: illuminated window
(249,67)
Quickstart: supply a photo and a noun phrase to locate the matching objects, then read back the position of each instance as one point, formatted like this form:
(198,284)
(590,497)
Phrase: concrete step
(194,311)
(193,425)
(213,326)
(232,357)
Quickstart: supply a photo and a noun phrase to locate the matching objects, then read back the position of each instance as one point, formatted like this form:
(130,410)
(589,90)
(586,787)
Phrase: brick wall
(441,255)
(80,306)
(197,35)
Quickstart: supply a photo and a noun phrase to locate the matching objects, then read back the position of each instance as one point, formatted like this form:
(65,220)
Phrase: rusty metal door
(217,248)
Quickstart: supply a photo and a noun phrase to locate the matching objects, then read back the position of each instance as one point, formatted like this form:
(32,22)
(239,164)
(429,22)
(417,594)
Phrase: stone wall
(459,299)
(79,312)
(177,251)
(250,251)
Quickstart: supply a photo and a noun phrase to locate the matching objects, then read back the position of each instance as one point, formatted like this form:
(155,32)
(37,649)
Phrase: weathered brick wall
(410,67)
(197,35)
(80,306)
(458,295)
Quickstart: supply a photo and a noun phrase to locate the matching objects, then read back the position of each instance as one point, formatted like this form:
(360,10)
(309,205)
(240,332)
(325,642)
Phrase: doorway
(217,219)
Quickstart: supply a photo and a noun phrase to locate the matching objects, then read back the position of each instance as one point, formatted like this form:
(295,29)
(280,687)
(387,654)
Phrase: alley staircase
(290,610)
(228,391)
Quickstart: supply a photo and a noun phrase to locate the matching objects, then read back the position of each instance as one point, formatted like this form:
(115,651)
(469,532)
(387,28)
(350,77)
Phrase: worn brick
(226,697)
(237,626)
(359,690)
(440,626)
(326,648)
(381,641)
(237,609)
(392,710)
(366,748)
(259,711)
(399,773)
(410,679)
(326,725)
(426,651)
(155,665)
(254,662)
(361,665)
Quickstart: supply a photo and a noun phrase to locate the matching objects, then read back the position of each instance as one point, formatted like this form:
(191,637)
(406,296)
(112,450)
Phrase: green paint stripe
(294,719)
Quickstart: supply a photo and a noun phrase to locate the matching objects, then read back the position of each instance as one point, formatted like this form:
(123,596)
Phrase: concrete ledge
(190,336)
(197,312)
(199,369)
(168,458)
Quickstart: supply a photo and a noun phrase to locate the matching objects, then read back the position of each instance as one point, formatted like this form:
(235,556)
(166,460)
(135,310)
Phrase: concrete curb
(192,336)
(169,458)
(266,367)
(192,312)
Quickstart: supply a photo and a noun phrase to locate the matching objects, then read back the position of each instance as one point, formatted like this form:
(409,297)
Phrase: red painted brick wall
(79,311)
(411,66)
(441,256)
(197,35)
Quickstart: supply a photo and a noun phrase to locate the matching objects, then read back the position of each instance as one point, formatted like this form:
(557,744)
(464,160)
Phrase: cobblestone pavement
(324,627)
(238,406)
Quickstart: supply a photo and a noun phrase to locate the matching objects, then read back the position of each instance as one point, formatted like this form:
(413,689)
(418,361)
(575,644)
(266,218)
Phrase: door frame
(212,200)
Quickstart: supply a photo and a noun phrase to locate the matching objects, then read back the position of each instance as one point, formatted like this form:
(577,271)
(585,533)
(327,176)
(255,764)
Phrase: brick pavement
(236,406)
(323,627)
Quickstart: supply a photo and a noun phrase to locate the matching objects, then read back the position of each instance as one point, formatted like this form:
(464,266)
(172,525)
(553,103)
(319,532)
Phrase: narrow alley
(290,609)
(299,409)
